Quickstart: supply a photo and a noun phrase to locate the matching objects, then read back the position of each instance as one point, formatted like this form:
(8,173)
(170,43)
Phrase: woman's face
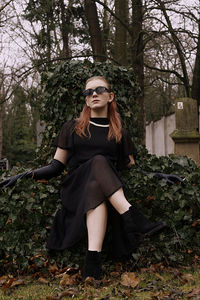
(98,101)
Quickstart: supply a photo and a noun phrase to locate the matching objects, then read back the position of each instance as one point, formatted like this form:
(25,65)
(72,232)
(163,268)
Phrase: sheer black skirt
(84,188)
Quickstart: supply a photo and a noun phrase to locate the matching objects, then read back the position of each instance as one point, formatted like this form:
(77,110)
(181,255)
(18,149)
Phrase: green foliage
(26,215)
(19,141)
(176,204)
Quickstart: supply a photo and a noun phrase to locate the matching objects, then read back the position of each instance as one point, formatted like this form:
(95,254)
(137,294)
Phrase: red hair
(114,118)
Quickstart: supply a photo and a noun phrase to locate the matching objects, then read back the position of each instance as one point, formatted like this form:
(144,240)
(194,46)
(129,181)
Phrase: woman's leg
(119,201)
(96,221)
(133,218)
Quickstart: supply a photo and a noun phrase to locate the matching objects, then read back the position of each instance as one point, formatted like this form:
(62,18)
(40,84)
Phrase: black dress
(91,179)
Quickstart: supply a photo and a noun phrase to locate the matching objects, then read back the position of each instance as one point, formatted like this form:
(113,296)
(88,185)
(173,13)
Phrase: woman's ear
(112,96)
(86,102)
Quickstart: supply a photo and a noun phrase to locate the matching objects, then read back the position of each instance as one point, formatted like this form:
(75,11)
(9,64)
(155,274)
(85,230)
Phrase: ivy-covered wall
(28,208)
(62,97)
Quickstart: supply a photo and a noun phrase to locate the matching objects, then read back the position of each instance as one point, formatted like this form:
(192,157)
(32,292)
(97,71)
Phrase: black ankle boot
(134,221)
(92,267)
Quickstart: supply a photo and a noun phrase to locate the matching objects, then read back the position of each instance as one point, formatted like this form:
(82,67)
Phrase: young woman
(94,146)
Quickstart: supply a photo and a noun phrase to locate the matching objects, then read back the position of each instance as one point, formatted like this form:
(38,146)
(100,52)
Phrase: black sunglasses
(99,90)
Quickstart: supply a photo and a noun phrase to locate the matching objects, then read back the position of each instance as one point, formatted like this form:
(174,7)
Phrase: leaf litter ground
(156,282)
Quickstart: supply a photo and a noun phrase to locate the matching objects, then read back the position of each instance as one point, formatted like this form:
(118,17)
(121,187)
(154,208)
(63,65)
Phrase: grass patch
(156,282)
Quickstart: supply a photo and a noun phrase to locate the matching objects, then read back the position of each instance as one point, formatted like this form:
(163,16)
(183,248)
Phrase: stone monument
(186,136)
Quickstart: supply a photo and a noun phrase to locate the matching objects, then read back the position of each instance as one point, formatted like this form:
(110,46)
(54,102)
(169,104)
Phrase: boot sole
(156,230)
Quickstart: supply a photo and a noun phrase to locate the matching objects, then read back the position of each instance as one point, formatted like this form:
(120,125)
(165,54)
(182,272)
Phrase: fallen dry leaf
(114,274)
(3,279)
(72,270)
(157,267)
(195,292)
(150,198)
(128,294)
(60,275)
(142,270)
(53,268)
(43,280)
(104,282)
(68,293)
(129,279)
(173,271)
(69,279)
(36,256)
(159,276)
(90,281)
(18,282)
(52,298)
(8,221)
(42,181)
(189,251)
(187,277)
(156,295)
(7,284)
(196,223)
(118,266)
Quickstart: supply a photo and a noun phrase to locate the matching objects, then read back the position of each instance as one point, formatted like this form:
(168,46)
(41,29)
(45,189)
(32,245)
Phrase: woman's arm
(61,155)
(55,168)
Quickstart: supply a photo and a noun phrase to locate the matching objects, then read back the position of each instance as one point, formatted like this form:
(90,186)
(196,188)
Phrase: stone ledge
(183,136)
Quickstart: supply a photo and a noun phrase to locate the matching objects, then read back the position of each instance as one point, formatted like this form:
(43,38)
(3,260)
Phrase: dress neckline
(100,122)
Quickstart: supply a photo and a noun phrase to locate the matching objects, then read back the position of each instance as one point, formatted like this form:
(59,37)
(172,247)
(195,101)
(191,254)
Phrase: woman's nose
(94,93)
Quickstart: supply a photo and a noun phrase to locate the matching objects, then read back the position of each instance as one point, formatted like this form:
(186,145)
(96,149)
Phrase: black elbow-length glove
(54,169)
(170,178)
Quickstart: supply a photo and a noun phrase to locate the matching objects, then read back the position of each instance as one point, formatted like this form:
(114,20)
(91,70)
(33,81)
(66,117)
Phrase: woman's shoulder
(68,127)
(69,124)
(124,132)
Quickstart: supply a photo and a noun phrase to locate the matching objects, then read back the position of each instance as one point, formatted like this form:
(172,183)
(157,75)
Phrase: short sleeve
(126,148)
(64,139)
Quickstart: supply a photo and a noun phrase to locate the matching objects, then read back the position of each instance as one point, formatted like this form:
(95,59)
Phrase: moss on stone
(185,136)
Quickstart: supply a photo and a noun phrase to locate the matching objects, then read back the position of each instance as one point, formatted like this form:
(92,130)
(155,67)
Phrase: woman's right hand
(13,179)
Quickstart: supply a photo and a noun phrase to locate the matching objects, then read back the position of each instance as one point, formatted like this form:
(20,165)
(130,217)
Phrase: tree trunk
(94,30)
(196,73)
(1,132)
(49,19)
(137,58)
(120,44)
(2,94)
(106,27)
(64,30)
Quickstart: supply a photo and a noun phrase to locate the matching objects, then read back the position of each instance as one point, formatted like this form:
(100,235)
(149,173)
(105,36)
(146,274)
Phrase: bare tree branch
(178,45)
(115,16)
(165,71)
(168,82)
(4,6)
